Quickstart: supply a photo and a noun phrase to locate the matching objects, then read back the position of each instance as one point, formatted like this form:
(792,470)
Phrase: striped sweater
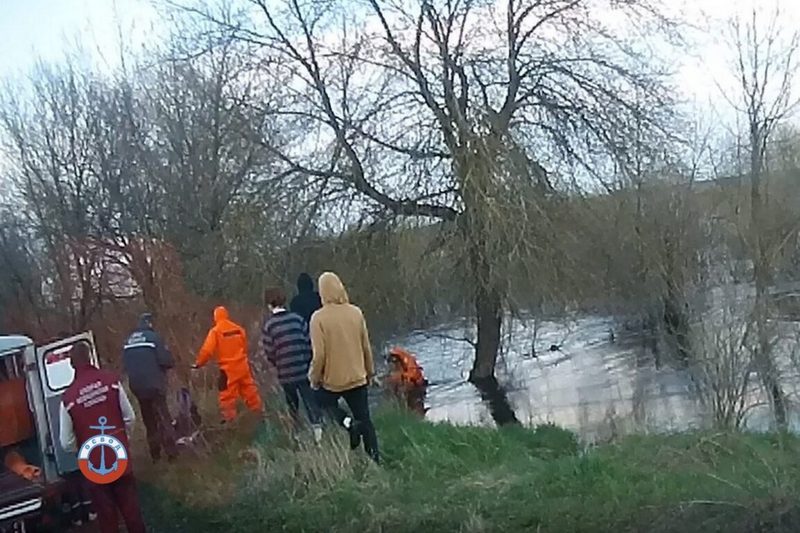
(286,344)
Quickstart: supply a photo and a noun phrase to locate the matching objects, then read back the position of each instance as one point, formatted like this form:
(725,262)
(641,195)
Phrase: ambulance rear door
(56,373)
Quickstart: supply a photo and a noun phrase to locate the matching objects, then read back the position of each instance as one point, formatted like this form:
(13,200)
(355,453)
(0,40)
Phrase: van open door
(57,374)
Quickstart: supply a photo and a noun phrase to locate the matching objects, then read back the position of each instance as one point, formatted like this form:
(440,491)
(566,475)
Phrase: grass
(446,478)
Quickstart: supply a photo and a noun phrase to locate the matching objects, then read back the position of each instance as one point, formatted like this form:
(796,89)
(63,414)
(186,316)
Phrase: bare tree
(198,160)
(767,59)
(21,278)
(52,142)
(452,110)
(104,163)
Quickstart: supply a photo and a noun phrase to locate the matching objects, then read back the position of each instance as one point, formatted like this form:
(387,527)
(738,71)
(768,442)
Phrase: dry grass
(444,478)
(305,465)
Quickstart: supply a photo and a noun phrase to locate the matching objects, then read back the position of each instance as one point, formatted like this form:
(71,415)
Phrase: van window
(11,365)
(58,369)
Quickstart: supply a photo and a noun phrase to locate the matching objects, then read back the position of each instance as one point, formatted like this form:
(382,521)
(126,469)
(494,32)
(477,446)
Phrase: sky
(706,69)
(33,29)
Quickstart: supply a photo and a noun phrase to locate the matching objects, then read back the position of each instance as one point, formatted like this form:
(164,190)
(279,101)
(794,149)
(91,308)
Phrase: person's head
(274,297)
(331,289)
(396,356)
(394,361)
(304,283)
(80,355)
(220,314)
(146,321)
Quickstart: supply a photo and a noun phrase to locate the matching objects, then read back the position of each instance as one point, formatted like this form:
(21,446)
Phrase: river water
(597,384)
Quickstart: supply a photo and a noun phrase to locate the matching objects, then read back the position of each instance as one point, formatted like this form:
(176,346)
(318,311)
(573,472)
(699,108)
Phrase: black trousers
(296,391)
(158,424)
(357,400)
(76,499)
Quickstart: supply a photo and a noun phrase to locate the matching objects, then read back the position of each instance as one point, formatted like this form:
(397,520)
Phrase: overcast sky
(30,29)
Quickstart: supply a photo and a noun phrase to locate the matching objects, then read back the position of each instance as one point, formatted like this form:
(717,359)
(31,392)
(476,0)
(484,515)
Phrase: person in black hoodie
(147,359)
(307,300)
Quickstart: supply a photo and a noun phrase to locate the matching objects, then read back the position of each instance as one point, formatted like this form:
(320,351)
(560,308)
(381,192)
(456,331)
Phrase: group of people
(319,346)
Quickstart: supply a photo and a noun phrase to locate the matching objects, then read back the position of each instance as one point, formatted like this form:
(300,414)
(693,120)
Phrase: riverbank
(447,478)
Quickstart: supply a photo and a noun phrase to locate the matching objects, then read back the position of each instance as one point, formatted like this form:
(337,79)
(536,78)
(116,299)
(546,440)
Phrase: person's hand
(314,386)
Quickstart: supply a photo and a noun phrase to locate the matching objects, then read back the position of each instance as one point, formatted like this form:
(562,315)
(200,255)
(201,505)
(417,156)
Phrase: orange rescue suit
(227,341)
(411,374)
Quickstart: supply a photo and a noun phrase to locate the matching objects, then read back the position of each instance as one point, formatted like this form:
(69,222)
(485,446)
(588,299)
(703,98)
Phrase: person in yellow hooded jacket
(227,342)
(342,365)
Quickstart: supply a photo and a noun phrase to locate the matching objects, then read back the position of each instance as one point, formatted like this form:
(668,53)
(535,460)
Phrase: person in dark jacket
(307,300)
(147,359)
(285,341)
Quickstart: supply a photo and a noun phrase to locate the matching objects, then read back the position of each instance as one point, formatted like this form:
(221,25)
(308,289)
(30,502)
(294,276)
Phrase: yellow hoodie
(339,339)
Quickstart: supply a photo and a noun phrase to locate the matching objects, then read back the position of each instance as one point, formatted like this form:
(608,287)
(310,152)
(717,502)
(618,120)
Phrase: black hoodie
(307,300)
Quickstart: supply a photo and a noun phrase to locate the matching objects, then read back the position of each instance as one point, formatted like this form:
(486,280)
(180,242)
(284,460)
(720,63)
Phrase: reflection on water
(595,385)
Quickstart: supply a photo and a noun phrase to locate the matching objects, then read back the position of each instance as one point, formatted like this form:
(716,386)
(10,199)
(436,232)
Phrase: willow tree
(474,113)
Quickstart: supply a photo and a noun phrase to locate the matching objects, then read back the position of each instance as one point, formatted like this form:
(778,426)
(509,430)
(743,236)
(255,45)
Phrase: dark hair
(80,353)
(274,296)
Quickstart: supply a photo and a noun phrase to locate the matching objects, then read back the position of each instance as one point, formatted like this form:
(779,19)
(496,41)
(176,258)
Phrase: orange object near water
(17,424)
(411,374)
(17,464)
(407,380)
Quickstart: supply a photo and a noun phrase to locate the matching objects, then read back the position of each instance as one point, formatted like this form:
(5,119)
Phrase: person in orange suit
(406,379)
(406,369)
(227,341)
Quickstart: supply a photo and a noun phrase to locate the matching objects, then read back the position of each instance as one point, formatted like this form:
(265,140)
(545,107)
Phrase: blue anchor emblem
(102,469)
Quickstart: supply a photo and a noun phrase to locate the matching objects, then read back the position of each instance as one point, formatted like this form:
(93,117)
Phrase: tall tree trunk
(761,272)
(676,319)
(478,164)
(489,314)
(496,399)
(766,366)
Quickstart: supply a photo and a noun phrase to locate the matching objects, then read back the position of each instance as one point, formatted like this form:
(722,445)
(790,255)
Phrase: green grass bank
(446,478)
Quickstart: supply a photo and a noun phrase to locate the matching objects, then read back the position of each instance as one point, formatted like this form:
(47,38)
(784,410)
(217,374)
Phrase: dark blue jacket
(146,359)
(307,300)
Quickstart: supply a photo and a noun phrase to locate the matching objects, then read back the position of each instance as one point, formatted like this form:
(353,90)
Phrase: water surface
(596,384)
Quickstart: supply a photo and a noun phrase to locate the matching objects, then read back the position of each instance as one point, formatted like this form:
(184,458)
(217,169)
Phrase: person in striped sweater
(286,344)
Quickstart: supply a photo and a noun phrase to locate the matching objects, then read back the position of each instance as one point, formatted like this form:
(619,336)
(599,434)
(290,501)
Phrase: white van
(32,381)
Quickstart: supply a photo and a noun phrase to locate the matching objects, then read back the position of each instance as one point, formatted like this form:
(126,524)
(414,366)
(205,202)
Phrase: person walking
(96,397)
(307,300)
(147,360)
(342,365)
(284,339)
(227,342)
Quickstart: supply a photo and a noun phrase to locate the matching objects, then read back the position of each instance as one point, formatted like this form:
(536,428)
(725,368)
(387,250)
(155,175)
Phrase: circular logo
(103,458)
